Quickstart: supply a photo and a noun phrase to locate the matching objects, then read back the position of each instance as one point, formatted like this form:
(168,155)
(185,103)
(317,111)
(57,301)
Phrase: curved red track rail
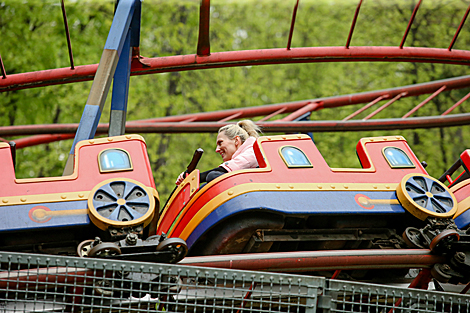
(241,58)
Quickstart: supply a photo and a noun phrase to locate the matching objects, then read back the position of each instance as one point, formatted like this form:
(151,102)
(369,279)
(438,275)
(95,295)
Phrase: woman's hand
(181,178)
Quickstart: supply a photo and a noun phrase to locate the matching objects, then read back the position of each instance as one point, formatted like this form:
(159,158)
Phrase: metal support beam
(292,24)
(416,108)
(102,81)
(203,41)
(276,126)
(120,95)
(454,39)
(384,106)
(413,15)
(2,68)
(353,24)
(306,109)
(67,34)
(366,107)
(270,111)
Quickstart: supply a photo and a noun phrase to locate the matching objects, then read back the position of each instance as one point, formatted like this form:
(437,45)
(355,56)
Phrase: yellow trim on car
(79,145)
(252,187)
(44,198)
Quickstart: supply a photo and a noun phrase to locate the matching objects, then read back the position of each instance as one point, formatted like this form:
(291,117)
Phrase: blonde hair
(242,129)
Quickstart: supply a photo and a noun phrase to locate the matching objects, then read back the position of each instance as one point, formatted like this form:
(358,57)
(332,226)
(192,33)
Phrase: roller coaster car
(295,202)
(110,197)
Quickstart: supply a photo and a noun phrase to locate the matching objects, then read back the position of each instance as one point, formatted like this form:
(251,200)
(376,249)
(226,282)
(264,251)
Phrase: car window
(397,158)
(114,160)
(294,157)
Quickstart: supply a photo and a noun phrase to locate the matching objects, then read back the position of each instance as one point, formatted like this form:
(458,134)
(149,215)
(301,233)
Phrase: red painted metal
(41,139)
(459,28)
(4,74)
(319,260)
(203,41)
(457,104)
(366,107)
(385,105)
(67,33)
(308,108)
(353,24)
(335,274)
(421,281)
(328,102)
(269,111)
(247,296)
(276,126)
(292,23)
(413,15)
(449,179)
(242,58)
(416,108)
(231,117)
(281,110)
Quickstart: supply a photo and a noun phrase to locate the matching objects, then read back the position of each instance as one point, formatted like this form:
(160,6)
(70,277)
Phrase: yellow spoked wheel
(121,202)
(424,196)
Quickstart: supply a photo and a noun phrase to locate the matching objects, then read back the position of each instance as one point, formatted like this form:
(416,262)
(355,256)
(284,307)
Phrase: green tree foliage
(33,38)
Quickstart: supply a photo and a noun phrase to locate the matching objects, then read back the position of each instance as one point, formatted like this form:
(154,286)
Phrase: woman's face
(226,147)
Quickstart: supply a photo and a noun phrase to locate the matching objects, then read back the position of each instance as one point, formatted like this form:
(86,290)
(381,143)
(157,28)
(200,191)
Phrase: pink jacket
(243,158)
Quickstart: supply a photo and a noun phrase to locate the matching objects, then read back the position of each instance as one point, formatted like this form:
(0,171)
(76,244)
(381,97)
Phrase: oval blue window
(294,157)
(113,160)
(397,158)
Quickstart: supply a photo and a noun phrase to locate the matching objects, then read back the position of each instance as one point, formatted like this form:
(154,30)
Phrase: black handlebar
(196,157)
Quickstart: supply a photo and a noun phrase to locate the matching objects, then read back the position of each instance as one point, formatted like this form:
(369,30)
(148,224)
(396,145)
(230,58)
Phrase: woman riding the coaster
(235,146)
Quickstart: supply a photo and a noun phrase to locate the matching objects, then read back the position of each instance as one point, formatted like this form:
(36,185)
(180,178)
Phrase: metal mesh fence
(341,296)
(46,283)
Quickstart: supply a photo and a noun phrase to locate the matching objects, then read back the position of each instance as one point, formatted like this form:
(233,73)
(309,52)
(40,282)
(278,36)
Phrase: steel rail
(320,260)
(242,58)
(268,127)
(274,262)
(269,111)
(327,102)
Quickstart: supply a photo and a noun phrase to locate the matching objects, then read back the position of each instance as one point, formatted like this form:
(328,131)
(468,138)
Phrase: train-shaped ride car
(295,202)
(108,207)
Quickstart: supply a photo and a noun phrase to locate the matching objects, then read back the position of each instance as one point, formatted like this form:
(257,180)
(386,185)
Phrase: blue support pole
(305,117)
(103,77)
(135,24)
(120,95)
(117,120)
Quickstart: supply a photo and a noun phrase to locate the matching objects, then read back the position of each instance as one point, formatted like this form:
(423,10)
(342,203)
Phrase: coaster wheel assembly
(120,203)
(424,196)
(176,245)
